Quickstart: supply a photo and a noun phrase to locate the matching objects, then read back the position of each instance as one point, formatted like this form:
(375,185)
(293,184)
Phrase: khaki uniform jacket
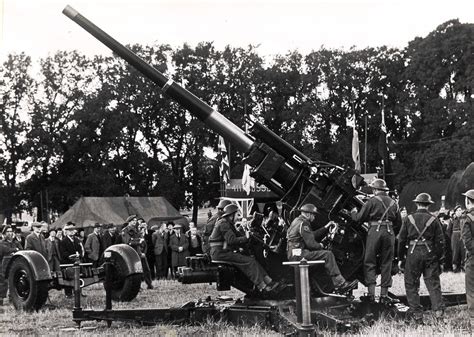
(467,232)
(434,234)
(300,236)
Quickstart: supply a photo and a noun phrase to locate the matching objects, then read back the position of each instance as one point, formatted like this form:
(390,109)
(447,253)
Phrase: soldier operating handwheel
(302,244)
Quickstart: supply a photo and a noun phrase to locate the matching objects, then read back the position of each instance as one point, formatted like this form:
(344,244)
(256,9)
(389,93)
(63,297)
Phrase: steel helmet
(223,203)
(469,194)
(309,208)
(423,198)
(230,209)
(379,184)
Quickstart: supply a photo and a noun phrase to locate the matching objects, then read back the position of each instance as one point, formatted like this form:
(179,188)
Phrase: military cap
(379,184)
(223,203)
(230,209)
(469,194)
(309,208)
(36,224)
(97,225)
(177,226)
(423,198)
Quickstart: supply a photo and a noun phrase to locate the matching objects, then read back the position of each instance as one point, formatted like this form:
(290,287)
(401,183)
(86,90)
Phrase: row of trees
(94,126)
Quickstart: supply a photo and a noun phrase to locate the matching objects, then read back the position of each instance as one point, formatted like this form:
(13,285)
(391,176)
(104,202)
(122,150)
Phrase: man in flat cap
(35,241)
(68,246)
(468,239)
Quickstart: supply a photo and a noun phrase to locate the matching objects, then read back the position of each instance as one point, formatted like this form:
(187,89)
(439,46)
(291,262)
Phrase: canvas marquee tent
(89,210)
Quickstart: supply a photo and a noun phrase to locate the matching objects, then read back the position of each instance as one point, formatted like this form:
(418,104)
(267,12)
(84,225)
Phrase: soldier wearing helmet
(302,244)
(421,246)
(467,233)
(381,213)
(224,243)
(211,223)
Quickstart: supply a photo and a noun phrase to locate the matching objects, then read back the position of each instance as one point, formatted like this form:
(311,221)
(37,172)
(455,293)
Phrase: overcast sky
(38,27)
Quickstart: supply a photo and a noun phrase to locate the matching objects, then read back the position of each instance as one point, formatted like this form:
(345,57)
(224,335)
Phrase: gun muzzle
(213,119)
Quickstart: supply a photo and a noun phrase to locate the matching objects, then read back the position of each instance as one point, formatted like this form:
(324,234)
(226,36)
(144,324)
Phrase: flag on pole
(382,144)
(384,153)
(247,181)
(224,166)
(355,147)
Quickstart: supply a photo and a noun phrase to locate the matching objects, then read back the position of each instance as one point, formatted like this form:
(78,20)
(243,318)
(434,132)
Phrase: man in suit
(179,248)
(93,245)
(160,249)
(35,241)
(69,245)
(52,247)
(106,237)
(19,237)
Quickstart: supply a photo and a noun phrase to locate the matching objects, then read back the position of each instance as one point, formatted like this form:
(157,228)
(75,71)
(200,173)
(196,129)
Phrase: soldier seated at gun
(302,244)
(225,242)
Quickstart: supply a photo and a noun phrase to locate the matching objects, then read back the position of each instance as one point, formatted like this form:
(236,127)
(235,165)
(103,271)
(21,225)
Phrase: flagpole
(365,145)
(383,123)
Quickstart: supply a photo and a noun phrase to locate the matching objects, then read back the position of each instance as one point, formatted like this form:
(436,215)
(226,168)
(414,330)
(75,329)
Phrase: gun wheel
(26,293)
(124,288)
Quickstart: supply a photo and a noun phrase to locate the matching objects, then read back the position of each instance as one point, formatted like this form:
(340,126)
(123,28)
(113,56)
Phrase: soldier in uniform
(225,240)
(468,239)
(421,245)
(302,244)
(457,247)
(381,213)
(210,225)
(7,246)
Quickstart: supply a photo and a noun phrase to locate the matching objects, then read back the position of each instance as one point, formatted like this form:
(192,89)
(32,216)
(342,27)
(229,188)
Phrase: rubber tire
(125,288)
(26,293)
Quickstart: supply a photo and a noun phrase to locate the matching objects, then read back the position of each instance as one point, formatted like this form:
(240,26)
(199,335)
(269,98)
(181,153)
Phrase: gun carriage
(30,278)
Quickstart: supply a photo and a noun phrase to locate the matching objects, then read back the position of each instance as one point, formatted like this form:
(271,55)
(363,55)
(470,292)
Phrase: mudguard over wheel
(126,273)
(26,293)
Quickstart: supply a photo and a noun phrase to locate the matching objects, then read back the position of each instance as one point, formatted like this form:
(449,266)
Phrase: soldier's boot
(384,298)
(370,296)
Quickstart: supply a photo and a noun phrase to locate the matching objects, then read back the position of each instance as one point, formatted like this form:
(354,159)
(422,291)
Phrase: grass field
(55,322)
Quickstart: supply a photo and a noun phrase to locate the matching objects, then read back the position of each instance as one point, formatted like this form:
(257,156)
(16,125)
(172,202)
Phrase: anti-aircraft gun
(295,178)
